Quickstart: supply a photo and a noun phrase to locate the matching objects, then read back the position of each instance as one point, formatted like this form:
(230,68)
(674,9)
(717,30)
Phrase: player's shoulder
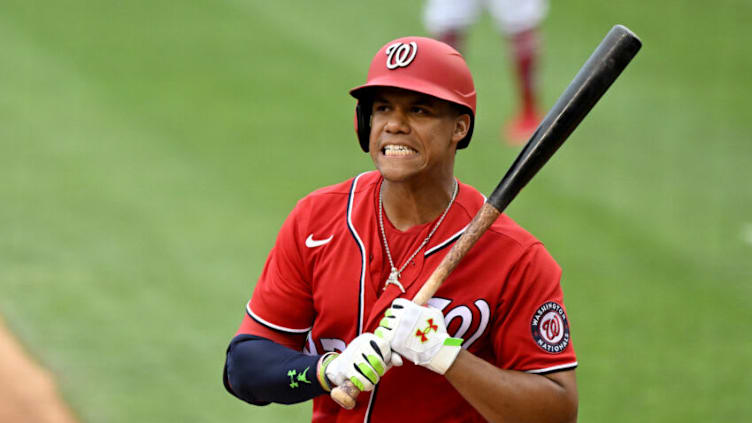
(506,226)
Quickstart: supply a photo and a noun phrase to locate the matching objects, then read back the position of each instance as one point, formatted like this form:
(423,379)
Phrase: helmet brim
(415,85)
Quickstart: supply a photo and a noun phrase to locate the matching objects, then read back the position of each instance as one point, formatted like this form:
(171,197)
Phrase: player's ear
(461,127)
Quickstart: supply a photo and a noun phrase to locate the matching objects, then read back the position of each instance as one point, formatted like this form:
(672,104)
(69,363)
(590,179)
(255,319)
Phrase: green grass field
(149,151)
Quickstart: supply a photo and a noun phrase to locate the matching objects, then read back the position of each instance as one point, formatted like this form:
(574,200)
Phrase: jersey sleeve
(532,331)
(281,307)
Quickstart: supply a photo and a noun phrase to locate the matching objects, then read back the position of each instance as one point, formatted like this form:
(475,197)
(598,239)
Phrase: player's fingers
(401,303)
(371,369)
(389,319)
(396,359)
(367,371)
(361,382)
(378,361)
(382,332)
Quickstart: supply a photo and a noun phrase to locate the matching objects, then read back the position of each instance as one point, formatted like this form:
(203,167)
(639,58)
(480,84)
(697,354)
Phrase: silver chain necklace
(394,274)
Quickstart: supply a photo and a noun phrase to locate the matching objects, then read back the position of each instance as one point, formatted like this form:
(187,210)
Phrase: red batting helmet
(417,64)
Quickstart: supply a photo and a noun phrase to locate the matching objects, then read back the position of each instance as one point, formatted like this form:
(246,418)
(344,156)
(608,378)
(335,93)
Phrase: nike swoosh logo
(311,243)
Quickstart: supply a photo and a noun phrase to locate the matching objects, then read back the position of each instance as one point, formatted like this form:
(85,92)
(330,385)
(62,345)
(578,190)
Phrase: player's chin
(398,170)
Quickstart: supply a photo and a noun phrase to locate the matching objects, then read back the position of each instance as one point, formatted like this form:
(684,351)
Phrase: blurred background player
(519,21)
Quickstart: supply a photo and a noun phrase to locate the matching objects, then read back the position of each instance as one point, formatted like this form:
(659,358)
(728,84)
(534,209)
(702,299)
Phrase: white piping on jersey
(449,240)
(367,416)
(272,325)
(554,368)
(361,293)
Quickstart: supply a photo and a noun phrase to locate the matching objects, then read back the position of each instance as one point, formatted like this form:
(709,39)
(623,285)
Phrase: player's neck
(409,204)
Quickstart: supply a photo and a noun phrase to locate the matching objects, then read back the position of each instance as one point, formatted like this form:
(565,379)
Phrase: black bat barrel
(595,77)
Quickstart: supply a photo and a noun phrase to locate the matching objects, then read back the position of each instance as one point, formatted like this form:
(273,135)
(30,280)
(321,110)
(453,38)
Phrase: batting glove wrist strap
(419,334)
(444,359)
(321,370)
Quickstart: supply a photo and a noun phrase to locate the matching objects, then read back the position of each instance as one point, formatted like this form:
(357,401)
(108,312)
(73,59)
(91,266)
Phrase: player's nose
(397,122)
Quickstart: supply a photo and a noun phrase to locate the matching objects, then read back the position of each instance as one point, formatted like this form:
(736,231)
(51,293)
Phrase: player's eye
(380,107)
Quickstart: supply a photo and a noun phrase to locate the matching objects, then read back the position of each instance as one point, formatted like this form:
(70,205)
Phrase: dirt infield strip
(27,392)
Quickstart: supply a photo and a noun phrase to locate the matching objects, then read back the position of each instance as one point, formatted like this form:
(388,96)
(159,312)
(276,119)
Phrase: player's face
(414,135)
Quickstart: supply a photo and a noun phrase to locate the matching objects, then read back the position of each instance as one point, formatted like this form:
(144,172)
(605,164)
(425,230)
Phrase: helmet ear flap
(363,124)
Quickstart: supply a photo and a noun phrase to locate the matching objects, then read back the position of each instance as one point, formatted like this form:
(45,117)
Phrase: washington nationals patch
(550,328)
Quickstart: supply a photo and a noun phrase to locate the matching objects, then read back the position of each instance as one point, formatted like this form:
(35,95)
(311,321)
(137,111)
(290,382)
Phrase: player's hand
(363,362)
(419,334)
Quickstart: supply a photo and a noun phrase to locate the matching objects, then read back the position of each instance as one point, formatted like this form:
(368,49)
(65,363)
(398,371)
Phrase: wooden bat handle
(485,217)
(346,394)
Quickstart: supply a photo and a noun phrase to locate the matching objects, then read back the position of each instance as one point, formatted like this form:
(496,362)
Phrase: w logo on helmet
(399,55)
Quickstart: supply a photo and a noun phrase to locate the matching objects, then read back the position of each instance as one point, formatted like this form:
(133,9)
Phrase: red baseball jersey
(324,283)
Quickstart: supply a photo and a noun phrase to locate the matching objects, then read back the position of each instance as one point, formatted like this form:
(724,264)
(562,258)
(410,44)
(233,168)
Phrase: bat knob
(345,395)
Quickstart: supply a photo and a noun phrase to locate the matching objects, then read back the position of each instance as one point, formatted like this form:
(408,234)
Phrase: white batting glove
(363,362)
(419,334)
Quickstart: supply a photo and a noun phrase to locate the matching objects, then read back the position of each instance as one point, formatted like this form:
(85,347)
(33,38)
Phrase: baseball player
(519,22)
(332,303)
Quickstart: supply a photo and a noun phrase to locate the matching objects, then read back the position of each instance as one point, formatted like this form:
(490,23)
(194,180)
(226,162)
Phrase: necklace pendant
(394,280)
(393,277)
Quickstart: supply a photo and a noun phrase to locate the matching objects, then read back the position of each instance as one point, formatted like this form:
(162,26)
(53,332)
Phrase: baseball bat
(605,64)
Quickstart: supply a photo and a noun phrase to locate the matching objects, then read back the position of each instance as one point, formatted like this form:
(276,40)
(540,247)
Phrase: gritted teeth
(397,150)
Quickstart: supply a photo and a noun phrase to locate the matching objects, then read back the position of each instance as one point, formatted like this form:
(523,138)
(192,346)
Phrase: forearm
(513,396)
(260,371)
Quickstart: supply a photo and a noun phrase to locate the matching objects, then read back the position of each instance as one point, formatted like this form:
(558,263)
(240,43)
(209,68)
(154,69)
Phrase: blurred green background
(149,151)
